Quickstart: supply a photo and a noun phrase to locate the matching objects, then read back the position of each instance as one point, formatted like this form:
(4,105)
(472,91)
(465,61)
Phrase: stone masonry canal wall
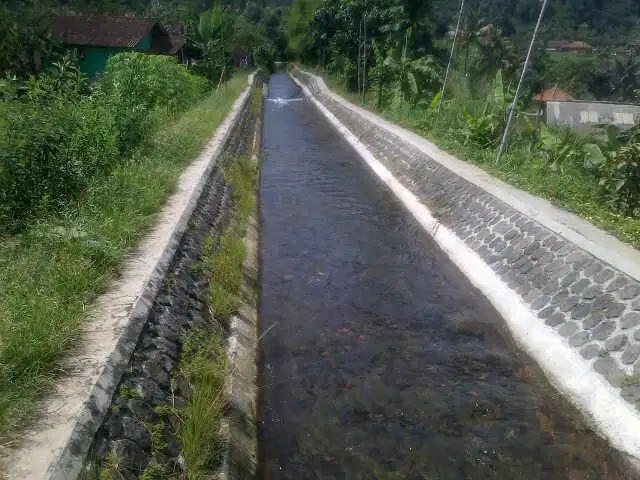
(570,294)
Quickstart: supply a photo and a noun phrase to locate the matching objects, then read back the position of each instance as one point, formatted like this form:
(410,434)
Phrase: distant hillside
(600,22)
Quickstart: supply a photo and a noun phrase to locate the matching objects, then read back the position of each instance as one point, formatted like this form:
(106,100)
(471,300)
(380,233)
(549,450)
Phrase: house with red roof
(553,94)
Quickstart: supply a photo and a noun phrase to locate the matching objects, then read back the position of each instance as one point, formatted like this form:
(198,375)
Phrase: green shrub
(624,180)
(49,150)
(614,157)
(57,136)
(152,81)
(265,59)
(558,146)
(140,88)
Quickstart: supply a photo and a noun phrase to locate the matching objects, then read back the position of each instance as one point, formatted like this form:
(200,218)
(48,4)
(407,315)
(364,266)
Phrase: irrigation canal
(380,359)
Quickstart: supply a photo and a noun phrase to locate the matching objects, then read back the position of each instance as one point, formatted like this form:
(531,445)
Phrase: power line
(512,109)
(453,47)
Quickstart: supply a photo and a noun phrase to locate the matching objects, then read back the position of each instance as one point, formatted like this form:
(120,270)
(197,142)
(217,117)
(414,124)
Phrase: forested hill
(601,22)
(597,21)
(140,6)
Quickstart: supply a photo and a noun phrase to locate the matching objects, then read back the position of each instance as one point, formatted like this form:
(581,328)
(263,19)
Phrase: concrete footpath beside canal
(570,293)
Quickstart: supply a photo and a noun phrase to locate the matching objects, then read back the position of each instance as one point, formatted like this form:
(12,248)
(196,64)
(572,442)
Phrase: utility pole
(507,127)
(359,64)
(453,47)
(364,59)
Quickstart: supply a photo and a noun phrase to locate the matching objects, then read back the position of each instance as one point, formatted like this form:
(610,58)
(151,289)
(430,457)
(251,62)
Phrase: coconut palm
(212,35)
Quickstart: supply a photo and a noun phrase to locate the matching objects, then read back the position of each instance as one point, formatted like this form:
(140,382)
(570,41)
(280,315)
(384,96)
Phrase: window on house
(623,118)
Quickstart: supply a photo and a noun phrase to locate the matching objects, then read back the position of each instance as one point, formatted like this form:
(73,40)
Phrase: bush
(622,179)
(54,139)
(265,59)
(140,87)
(48,152)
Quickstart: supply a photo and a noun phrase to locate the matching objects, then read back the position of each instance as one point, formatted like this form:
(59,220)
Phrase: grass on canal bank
(204,362)
(568,186)
(51,273)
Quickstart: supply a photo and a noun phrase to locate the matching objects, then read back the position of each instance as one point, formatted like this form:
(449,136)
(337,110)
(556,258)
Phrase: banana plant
(213,35)
(381,75)
(557,148)
(415,75)
(484,129)
(396,73)
(481,130)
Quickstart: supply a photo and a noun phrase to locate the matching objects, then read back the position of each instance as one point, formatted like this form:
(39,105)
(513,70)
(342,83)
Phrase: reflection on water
(380,359)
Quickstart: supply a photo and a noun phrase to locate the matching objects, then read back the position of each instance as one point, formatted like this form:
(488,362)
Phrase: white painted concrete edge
(598,401)
(56,446)
(577,230)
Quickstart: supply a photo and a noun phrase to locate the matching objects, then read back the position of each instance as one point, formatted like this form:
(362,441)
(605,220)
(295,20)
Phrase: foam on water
(284,101)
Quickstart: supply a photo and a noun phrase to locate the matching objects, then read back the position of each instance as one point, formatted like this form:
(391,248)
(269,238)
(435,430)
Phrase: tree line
(240,25)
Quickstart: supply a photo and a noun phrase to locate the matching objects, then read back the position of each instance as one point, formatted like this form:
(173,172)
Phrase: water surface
(380,358)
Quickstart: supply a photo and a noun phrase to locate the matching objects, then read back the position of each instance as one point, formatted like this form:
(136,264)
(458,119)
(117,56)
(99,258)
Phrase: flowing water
(380,359)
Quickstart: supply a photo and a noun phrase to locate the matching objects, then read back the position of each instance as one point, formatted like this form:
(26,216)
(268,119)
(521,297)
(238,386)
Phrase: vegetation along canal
(380,359)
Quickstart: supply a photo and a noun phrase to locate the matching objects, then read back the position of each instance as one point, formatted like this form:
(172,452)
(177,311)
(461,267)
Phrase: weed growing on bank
(204,361)
(57,134)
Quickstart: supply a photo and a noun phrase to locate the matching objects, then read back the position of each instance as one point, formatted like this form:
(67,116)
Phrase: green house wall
(145,43)
(94,59)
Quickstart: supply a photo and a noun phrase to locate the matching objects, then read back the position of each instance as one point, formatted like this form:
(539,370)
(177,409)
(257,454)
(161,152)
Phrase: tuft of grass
(157,472)
(110,468)
(205,371)
(127,393)
(227,253)
(159,445)
(204,362)
(226,275)
(257,99)
(158,434)
(163,411)
(51,273)
(631,380)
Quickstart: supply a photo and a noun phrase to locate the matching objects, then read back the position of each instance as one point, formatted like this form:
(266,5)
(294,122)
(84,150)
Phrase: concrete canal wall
(569,293)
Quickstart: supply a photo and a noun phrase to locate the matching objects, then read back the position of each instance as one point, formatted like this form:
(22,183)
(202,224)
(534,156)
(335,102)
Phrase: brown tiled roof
(553,94)
(102,30)
(177,42)
(578,45)
(556,43)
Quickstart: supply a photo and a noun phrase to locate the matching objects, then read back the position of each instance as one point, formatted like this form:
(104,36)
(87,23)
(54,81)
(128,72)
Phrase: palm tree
(381,74)
(469,35)
(212,35)
(496,53)
(625,77)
